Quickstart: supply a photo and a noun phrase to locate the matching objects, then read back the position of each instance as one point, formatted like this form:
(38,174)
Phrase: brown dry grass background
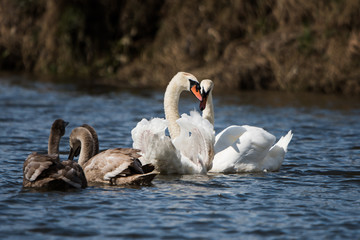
(290,45)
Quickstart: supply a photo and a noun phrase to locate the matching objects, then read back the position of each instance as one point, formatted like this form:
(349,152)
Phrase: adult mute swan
(189,149)
(243,148)
(117,166)
(46,171)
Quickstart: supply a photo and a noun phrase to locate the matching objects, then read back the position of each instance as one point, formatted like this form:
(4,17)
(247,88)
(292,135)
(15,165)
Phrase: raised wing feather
(254,144)
(227,137)
(144,131)
(156,148)
(196,140)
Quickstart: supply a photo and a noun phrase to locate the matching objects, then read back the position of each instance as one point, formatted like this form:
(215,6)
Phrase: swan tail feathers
(275,157)
(285,140)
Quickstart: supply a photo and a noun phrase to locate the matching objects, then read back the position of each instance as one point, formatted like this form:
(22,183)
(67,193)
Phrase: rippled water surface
(315,195)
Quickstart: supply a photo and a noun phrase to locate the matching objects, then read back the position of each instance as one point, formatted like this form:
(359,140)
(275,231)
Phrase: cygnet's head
(58,127)
(78,136)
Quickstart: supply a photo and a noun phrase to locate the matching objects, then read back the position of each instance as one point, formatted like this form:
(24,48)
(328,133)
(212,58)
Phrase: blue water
(315,195)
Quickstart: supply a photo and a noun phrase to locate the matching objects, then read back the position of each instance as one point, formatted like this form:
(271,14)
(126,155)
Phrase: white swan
(189,149)
(243,148)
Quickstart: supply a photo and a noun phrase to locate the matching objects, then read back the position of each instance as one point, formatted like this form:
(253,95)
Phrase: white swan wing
(254,144)
(156,148)
(195,143)
(227,137)
(243,154)
(145,130)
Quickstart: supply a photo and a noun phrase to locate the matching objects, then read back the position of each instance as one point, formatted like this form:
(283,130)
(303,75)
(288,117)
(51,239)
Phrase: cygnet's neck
(53,143)
(94,137)
(171,102)
(208,112)
(87,147)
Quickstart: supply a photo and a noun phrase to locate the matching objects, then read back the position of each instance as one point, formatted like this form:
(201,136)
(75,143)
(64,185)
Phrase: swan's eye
(194,83)
(195,89)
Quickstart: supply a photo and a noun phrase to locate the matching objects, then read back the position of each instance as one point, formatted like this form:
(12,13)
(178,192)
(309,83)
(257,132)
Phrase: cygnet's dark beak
(204,96)
(74,153)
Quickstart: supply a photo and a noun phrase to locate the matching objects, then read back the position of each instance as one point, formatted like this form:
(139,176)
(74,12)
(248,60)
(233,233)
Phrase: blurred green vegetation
(290,45)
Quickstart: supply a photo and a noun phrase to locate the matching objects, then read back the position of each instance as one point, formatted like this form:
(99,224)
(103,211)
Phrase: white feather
(186,154)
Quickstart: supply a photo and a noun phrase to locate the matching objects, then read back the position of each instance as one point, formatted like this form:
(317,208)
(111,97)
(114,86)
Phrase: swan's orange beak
(196,91)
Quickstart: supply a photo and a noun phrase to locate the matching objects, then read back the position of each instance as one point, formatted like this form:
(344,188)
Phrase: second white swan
(243,148)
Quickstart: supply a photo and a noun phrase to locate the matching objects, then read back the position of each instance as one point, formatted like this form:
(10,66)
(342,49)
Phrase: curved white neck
(208,112)
(171,102)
